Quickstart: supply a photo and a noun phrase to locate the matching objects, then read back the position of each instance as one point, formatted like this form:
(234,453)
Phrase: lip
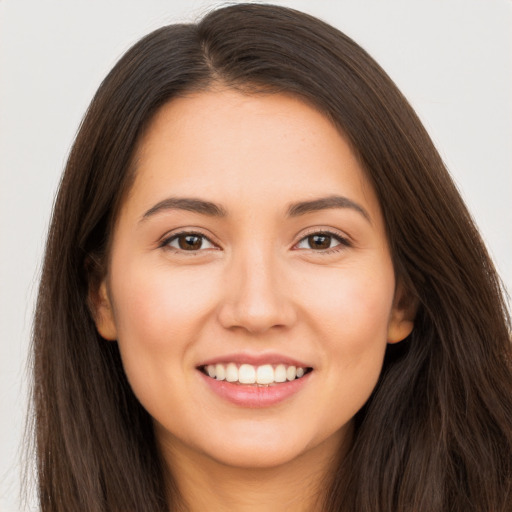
(254,396)
(255,360)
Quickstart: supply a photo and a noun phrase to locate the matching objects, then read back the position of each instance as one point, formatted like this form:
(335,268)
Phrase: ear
(403,312)
(102,312)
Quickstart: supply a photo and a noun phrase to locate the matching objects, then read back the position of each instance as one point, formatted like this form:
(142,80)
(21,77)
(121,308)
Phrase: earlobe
(398,330)
(102,312)
(401,322)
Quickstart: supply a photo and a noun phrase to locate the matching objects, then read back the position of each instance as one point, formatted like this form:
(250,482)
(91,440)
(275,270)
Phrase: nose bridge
(255,298)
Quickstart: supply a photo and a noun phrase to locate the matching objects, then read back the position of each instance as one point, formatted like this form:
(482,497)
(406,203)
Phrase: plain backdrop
(451,58)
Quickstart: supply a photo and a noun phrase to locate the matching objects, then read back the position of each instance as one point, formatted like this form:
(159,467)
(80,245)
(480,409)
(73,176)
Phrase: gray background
(451,58)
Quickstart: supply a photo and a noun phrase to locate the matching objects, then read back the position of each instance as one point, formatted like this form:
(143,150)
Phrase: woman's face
(250,244)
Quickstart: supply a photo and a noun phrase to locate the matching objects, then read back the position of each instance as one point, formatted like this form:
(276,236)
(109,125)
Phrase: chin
(255,456)
(269,448)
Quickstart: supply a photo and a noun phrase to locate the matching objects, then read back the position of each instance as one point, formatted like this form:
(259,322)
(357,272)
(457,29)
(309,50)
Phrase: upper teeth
(249,374)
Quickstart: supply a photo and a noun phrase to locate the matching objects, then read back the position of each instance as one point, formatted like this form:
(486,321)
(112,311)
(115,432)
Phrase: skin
(256,285)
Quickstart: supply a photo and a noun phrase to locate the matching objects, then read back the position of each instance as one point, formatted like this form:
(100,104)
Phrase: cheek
(159,308)
(353,305)
(159,314)
(351,320)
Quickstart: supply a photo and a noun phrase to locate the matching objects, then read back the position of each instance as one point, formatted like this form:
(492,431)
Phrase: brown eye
(319,241)
(323,242)
(189,242)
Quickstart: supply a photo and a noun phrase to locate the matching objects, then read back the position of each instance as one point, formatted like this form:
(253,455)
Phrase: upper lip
(255,360)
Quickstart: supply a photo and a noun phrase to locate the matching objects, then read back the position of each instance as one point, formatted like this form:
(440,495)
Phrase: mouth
(266,375)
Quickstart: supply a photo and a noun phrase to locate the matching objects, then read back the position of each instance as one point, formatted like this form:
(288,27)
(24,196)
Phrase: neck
(205,484)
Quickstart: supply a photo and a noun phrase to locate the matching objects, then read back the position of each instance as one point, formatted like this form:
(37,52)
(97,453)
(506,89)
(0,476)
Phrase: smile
(248,374)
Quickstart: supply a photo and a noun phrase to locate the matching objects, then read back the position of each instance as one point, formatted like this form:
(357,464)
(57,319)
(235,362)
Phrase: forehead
(228,145)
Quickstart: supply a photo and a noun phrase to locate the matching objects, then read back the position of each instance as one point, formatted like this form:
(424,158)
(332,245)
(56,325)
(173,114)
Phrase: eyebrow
(215,210)
(323,203)
(187,203)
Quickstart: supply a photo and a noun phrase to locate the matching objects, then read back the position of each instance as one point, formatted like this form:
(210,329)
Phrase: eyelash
(343,242)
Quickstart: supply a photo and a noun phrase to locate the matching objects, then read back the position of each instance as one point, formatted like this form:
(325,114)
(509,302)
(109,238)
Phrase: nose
(256,297)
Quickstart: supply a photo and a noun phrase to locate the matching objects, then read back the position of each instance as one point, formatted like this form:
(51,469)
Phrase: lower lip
(247,395)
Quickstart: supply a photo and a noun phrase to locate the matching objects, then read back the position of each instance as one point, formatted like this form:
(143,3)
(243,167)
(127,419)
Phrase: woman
(262,290)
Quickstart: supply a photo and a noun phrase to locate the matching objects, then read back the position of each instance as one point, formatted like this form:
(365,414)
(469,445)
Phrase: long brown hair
(436,435)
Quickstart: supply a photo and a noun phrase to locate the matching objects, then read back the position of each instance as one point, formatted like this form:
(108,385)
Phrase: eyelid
(168,237)
(343,239)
